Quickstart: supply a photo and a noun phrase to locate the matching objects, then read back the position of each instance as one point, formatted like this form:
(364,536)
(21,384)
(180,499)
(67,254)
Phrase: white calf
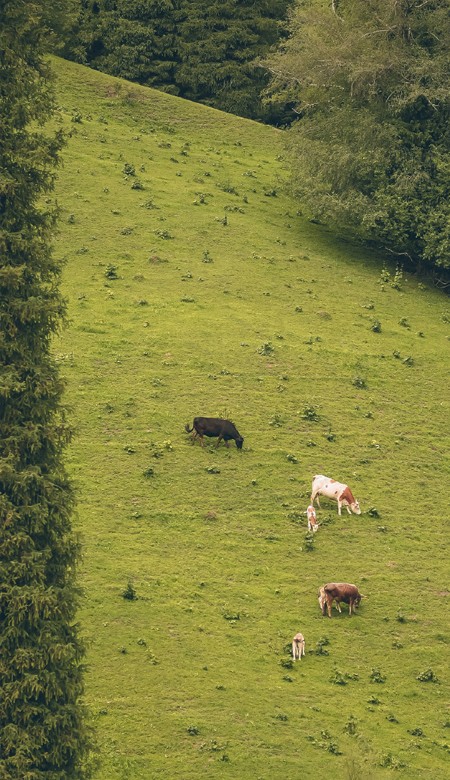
(298,647)
(313,525)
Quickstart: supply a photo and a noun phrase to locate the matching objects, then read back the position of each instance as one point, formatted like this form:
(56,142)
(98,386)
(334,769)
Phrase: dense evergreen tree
(42,731)
(370,151)
(133,39)
(205,50)
(221,43)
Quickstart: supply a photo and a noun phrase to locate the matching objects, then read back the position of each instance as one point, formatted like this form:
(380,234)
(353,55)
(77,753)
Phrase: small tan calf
(313,525)
(323,600)
(298,646)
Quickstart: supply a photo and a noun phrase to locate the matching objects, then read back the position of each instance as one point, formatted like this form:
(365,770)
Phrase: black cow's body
(214,426)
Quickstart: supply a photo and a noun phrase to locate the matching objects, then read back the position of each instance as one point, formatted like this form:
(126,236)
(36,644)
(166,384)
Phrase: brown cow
(339,591)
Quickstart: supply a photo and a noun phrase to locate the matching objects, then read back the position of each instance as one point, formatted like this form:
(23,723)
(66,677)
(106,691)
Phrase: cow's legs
(348,509)
(339,507)
(202,442)
(314,497)
(329,605)
(219,440)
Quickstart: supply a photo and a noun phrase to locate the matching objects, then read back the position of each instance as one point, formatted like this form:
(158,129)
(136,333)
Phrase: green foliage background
(369,154)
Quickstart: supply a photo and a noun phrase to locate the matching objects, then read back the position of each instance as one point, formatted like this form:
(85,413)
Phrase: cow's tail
(187,429)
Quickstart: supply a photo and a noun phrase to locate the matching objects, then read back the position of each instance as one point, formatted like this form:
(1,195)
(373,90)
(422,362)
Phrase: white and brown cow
(324,486)
(298,646)
(313,525)
(339,591)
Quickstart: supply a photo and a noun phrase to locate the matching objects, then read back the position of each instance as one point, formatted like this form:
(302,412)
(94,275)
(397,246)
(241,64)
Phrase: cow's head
(239,442)
(357,600)
(354,506)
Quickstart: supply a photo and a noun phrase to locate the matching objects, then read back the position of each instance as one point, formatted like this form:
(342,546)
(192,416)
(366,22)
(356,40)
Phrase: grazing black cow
(214,426)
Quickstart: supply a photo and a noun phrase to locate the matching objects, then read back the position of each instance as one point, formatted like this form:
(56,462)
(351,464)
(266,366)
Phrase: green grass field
(195,288)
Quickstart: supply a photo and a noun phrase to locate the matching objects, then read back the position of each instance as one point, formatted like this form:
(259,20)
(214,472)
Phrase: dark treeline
(204,50)
(43,731)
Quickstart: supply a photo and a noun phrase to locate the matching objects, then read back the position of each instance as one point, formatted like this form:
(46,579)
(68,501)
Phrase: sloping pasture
(194,287)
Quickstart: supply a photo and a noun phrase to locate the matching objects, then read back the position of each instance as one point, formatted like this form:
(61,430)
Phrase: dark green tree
(221,45)
(42,721)
(370,149)
(205,50)
(133,39)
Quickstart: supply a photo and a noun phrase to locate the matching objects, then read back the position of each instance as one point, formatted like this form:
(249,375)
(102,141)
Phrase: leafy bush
(337,678)
(266,348)
(376,676)
(231,616)
(129,593)
(427,676)
(320,646)
(111,272)
(310,413)
(351,725)
(417,732)
(308,544)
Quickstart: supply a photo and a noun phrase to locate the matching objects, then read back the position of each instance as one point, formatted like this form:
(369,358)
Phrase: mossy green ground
(258,319)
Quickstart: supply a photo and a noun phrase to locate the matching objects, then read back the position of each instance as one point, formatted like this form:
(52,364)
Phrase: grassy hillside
(195,288)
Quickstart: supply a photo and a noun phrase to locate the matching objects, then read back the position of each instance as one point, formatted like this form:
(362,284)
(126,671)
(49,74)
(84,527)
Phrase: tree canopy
(205,50)
(42,727)
(369,151)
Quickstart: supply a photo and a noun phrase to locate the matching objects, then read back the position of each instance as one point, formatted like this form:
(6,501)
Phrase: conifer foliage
(205,50)
(221,44)
(42,726)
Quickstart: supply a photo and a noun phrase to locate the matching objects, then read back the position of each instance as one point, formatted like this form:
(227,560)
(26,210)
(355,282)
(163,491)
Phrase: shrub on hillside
(129,593)
(427,676)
